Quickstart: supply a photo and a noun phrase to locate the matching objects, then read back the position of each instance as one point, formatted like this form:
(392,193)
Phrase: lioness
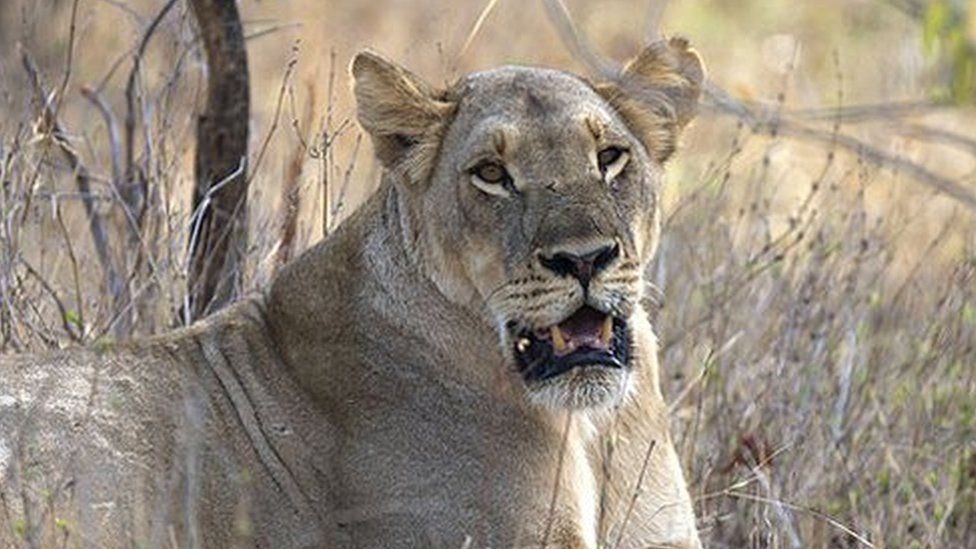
(463,361)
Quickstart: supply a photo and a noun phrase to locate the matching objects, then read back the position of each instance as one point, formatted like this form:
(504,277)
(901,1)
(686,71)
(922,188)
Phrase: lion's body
(171,440)
(359,402)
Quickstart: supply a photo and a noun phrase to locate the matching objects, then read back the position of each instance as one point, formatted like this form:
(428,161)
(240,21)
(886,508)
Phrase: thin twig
(196,220)
(346,178)
(325,163)
(802,509)
(62,310)
(271,30)
(69,57)
(485,12)
(289,69)
(75,277)
(556,484)
(291,195)
(636,494)
(111,127)
(607,449)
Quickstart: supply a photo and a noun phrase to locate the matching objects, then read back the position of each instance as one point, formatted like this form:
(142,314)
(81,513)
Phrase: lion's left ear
(657,93)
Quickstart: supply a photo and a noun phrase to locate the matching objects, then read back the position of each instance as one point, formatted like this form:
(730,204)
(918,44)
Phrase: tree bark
(218,227)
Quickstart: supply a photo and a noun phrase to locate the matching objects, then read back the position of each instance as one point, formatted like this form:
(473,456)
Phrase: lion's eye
(492,178)
(490,172)
(612,161)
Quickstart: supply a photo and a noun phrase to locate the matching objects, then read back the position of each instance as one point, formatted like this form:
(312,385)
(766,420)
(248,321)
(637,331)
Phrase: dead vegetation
(818,263)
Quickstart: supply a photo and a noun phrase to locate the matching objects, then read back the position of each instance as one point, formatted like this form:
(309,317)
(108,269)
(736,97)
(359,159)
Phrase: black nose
(581,267)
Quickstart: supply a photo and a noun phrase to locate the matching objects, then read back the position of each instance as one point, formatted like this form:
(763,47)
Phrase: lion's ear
(398,109)
(657,93)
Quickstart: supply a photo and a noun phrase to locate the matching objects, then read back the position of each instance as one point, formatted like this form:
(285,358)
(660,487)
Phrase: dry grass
(819,326)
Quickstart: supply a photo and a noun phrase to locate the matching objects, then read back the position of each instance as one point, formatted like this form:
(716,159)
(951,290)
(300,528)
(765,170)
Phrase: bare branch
(134,194)
(723,103)
(655,12)
(760,121)
(922,132)
(69,56)
(62,310)
(578,44)
(112,128)
(869,112)
(49,129)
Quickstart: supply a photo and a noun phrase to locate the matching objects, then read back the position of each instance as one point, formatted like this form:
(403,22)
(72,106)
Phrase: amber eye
(612,161)
(491,172)
(608,156)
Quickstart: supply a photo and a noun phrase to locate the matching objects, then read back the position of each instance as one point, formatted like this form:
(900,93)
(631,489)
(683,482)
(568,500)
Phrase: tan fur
(369,398)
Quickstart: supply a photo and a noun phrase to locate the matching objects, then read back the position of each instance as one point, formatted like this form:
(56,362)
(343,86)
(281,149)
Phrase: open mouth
(587,338)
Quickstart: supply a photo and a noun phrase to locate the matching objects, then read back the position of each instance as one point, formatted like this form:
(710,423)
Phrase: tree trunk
(218,227)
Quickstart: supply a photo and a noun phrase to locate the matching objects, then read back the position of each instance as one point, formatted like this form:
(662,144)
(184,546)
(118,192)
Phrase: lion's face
(552,209)
(533,200)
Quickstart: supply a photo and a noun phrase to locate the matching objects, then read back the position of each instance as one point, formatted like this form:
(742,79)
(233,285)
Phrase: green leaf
(73,318)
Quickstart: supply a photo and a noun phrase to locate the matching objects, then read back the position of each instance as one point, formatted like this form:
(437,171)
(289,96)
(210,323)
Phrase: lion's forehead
(529,92)
(535,112)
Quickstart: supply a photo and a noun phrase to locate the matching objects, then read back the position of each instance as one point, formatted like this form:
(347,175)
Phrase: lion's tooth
(523,344)
(607,331)
(558,343)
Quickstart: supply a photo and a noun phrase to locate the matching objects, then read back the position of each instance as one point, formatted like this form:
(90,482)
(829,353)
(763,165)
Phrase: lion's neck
(364,284)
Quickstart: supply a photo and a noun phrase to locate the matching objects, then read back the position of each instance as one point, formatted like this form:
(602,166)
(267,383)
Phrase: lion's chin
(582,387)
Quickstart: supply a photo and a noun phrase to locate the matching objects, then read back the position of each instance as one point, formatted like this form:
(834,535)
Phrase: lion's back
(177,439)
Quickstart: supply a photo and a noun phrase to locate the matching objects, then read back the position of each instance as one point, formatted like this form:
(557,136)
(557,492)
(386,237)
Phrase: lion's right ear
(657,93)
(401,112)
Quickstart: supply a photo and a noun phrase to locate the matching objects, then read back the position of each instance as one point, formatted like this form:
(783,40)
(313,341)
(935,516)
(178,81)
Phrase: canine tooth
(607,332)
(558,343)
(523,344)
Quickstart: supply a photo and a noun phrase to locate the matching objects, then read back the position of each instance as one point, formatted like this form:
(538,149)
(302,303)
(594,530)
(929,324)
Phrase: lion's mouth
(587,338)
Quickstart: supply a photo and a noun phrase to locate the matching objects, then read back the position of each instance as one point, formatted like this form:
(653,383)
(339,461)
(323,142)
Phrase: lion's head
(531,196)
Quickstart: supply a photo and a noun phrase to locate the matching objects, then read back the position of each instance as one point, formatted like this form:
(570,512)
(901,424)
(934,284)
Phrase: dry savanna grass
(818,263)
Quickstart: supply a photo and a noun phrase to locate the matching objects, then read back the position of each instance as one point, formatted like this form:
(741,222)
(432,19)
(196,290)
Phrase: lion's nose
(581,266)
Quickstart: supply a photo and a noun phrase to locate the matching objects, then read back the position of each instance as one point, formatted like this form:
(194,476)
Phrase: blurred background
(817,273)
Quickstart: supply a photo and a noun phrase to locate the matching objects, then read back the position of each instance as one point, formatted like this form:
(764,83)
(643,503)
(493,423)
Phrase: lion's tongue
(586,328)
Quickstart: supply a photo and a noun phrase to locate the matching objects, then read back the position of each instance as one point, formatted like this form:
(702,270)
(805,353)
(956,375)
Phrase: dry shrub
(831,362)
